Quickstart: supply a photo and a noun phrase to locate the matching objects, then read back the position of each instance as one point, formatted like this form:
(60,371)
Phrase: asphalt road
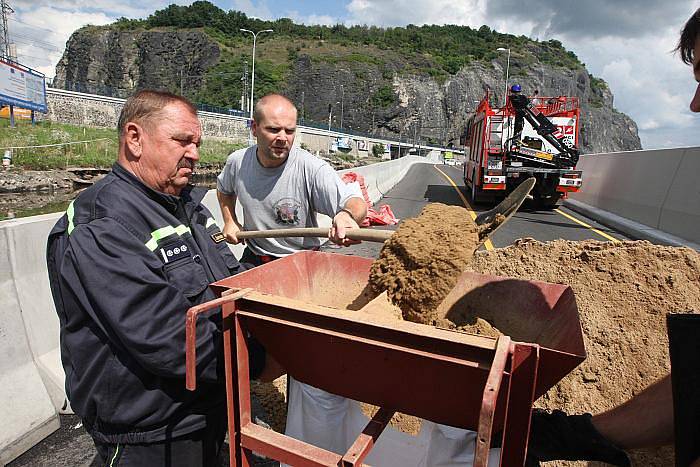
(424,183)
(428,183)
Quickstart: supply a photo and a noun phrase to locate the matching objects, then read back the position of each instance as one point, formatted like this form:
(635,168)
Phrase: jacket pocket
(188,276)
(229,259)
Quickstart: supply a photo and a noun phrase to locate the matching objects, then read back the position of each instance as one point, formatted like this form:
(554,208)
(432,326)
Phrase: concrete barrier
(657,188)
(31,374)
(681,209)
(383,176)
(28,338)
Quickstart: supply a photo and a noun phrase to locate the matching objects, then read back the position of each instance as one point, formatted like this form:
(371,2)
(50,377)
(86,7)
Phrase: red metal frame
(513,360)
(492,383)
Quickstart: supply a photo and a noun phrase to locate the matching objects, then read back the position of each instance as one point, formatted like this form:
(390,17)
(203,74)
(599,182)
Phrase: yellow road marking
(602,234)
(487,244)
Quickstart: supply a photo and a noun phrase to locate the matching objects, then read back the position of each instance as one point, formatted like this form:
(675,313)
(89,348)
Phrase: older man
(281,186)
(130,256)
(644,421)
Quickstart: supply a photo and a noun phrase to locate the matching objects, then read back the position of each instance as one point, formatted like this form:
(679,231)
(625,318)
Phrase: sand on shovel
(422,261)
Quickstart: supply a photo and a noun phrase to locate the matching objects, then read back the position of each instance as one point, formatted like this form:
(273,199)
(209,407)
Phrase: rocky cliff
(105,60)
(382,92)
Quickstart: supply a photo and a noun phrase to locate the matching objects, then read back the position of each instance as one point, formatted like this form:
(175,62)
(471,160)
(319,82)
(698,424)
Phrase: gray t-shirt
(283,197)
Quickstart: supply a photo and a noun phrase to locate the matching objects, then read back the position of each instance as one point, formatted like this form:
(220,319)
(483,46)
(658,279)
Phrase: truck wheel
(548,203)
(477,197)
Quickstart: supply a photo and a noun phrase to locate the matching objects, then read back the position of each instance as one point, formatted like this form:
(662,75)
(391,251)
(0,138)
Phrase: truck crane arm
(525,109)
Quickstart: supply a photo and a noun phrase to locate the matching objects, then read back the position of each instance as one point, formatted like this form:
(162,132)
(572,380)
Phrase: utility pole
(5,10)
(303,112)
(245,85)
(505,90)
(252,78)
(342,103)
(415,132)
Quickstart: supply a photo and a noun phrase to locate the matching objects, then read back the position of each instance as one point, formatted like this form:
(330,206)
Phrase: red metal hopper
(304,310)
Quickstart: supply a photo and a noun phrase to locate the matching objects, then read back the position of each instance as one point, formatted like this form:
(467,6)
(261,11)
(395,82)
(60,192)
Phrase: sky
(628,43)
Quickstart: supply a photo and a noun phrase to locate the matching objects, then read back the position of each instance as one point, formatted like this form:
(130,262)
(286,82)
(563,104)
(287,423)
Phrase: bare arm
(228,211)
(343,220)
(644,421)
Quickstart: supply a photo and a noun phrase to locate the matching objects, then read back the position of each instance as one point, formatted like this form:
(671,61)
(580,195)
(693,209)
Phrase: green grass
(100,152)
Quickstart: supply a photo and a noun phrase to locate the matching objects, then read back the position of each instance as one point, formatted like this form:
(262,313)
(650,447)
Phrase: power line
(29,56)
(32,26)
(32,38)
(38,46)
(33,44)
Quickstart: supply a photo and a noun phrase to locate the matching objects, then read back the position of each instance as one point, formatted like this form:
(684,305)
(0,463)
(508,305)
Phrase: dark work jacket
(125,263)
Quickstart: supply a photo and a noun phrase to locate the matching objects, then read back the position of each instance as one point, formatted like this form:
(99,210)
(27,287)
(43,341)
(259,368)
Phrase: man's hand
(341,222)
(230,231)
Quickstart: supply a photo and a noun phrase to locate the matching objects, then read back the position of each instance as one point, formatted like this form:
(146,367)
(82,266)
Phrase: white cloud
(42,33)
(258,10)
(112,8)
(402,12)
(324,20)
(650,83)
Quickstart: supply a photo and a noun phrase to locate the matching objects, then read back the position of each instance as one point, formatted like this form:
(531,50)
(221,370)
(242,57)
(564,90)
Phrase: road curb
(630,228)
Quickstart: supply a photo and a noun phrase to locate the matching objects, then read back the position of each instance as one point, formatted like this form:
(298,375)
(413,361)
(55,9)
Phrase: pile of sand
(623,292)
(421,262)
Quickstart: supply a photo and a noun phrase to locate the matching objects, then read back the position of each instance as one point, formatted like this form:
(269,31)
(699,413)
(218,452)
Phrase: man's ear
(133,138)
(254,128)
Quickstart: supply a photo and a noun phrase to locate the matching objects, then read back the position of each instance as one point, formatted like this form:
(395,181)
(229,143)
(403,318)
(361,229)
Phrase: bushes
(378,150)
(384,96)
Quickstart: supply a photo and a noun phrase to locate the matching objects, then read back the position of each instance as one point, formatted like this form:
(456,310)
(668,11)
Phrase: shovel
(488,222)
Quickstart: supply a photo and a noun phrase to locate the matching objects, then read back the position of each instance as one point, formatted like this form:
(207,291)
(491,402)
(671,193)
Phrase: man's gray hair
(144,107)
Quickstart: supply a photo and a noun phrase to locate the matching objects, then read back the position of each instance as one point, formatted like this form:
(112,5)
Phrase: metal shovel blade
(492,220)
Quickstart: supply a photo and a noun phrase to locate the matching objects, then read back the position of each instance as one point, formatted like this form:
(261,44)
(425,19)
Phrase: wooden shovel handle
(368,235)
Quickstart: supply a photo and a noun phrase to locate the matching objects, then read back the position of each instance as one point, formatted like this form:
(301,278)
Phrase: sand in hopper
(422,261)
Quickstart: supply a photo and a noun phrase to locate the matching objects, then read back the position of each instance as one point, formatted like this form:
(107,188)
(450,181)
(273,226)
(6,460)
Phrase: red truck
(528,136)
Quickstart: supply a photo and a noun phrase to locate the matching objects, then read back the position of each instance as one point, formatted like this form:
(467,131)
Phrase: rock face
(102,60)
(377,92)
(423,106)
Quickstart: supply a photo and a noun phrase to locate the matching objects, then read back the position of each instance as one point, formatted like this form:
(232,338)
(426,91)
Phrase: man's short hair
(689,35)
(257,110)
(145,105)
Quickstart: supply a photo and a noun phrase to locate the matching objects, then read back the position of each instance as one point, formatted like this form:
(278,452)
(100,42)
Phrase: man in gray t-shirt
(282,187)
